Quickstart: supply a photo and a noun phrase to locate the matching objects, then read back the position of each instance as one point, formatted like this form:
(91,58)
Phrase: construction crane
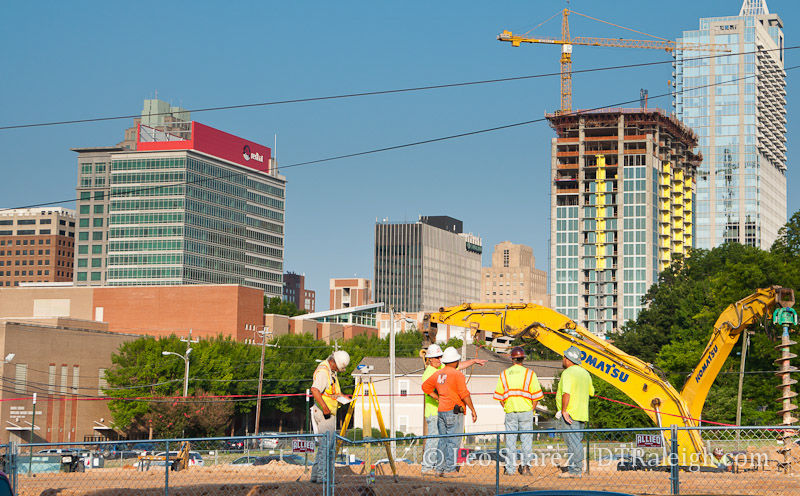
(566,42)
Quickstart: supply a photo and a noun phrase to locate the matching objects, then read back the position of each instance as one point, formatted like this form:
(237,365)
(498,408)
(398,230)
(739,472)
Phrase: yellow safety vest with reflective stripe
(333,389)
(518,387)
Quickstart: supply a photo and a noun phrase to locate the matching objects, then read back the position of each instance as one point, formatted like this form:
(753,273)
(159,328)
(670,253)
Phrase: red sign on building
(212,141)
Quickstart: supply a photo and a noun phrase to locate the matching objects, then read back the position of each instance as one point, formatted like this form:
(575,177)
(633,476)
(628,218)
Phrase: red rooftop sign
(212,141)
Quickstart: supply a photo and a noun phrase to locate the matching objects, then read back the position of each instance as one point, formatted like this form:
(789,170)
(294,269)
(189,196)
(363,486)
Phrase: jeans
(518,421)
(448,424)
(574,442)
(319,470)
(430,455)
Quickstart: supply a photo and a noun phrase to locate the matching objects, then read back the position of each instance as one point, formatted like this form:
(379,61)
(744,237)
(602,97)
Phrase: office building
(36,245)
(736,103)
(350,292)
(424,265)
(621,206)
(513,277)
(204,207)
(161,115)
(294,290)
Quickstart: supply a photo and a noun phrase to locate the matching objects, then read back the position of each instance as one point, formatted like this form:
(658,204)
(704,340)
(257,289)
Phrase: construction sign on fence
(302,445)
(649,441)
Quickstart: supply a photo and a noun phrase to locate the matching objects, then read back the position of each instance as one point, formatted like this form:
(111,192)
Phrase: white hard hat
(434,351)
(342,359)
(450,355)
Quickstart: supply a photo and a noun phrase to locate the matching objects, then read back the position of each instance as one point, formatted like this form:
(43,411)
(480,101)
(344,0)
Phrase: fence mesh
(631,461)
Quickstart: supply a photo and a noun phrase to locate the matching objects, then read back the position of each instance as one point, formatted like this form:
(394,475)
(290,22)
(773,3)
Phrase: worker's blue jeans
(448,424)
(574,442)
(430,455)
(319,470)
(515,422)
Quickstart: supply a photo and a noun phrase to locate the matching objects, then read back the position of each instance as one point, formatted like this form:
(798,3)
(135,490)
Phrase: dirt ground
(290,480)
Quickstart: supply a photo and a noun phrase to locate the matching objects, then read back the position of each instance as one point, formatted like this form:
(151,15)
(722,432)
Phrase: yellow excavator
(641,381)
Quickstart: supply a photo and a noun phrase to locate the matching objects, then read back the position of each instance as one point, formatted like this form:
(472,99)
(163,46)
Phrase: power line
(410,144)
(387,92)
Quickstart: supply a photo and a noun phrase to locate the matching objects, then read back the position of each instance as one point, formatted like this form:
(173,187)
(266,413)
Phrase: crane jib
(609,368)
(711,355)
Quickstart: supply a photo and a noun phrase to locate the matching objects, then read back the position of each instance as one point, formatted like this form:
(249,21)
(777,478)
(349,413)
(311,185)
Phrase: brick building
(36,245)
(351,292)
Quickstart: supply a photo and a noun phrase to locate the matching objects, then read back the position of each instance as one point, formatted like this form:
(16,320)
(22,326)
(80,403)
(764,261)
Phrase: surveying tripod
(369,402)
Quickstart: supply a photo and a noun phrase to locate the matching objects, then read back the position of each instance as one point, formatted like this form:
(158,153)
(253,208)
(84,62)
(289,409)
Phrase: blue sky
(61,62)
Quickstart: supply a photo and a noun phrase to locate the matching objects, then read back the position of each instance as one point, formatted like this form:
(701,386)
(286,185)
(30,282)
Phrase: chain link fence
(629,461)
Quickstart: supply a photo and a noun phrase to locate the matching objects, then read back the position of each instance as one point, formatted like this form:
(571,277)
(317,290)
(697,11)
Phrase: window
(83,249)
(402,423)
(98,222)
(81,276)
(97,262)
(97,276)
(76,374)
(51,379)
(403,388)
(102,383)
(86,195)
(98,209)
(64,371)
(97,249)
(84,209)
(83,262)
(44,231)
(97,236)
(21,378)
(98,195)
(83,223)
(26,222)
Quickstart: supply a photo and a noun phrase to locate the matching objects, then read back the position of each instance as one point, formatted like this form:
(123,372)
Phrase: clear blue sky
(66,60)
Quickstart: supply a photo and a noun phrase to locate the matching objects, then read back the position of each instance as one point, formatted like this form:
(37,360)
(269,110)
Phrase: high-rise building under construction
(736,103)
(622,205)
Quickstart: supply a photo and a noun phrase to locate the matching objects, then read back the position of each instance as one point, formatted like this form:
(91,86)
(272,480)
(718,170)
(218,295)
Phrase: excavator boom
(655,395)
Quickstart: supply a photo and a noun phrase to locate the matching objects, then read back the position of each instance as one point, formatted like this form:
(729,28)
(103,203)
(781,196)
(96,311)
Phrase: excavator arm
(662,403)
(660,400)
(729,326)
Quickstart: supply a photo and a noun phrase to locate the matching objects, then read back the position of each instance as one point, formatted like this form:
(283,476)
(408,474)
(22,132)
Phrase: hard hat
(573,354)
(517,352)
(434,351)
(717,451)
(342,359)
(450,355)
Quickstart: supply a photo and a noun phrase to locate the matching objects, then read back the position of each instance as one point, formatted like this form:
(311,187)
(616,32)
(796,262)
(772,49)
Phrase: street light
(392,360)
(264,332)
(186,372)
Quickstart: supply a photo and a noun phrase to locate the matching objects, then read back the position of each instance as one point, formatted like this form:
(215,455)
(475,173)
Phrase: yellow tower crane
(566,42)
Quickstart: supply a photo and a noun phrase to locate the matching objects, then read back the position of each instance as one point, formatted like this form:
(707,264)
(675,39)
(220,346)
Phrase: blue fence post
(11,466)
(166,471)
(674,469)
(331,462)
(497,467)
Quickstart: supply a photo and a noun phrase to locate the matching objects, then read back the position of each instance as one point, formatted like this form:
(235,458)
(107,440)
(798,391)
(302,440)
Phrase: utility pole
(745,344)
(189,341)
(264,332)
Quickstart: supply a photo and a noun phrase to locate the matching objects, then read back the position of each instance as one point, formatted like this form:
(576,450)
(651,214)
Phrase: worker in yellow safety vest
(327,394)
(518,391)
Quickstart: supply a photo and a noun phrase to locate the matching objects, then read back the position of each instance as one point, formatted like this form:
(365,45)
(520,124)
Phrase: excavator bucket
(784,297)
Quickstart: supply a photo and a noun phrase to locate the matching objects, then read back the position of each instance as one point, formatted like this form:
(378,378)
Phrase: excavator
(641,381)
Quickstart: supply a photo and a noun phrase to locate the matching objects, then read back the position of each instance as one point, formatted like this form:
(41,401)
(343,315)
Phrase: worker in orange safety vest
(518,391)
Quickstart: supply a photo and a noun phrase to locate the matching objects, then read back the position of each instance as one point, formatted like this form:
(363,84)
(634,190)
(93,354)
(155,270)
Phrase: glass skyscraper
(736,103)
(203,208)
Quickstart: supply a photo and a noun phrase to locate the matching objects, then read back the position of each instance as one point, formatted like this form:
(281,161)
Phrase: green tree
(277,306)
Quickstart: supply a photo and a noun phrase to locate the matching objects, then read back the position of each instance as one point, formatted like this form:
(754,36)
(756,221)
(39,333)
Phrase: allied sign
(649,441)
(302,445)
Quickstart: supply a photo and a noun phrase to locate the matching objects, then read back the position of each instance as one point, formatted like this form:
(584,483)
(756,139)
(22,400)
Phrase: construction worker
(721,460)
(429,454)
(572,403)
(518,392)
(449,387)
(326,392)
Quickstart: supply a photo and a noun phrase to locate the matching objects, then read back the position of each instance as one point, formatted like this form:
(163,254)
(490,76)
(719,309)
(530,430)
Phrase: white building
(409,398)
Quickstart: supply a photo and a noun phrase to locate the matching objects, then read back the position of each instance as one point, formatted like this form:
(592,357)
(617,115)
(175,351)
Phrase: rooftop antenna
(156,94)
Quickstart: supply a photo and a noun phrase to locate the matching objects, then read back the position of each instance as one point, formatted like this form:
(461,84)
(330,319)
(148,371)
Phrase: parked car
(119,451)
(84,454)
(233,445)
(268,442)
(245,460)
(291,459)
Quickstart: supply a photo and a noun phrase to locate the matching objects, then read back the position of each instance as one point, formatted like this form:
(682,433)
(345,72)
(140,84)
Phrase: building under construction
(621,207)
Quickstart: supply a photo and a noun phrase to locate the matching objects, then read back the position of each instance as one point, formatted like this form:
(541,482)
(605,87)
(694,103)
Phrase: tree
(277,306)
